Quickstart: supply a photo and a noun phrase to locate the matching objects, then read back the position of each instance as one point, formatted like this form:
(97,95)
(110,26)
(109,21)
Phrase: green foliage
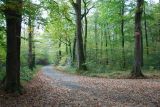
(107,73)
(2,72)
(105,57)
(107,15)
(27,74)
(68,69)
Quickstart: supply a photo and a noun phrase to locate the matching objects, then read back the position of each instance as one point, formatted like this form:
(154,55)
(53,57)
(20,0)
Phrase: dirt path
(109,91)
(51,88)
(62,79)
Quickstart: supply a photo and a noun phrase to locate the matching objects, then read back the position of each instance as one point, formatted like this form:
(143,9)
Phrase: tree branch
(63,41)
(86,12)
(73,3)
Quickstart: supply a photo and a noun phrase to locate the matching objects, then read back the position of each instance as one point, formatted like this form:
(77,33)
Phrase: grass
(112,74)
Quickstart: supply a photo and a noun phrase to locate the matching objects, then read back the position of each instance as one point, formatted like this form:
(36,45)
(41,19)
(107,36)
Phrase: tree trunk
(122,32)
(136,72)
(34,55)
(106,44)
(74,49)
(80,50)
(96,43)
(30,45)
(70,48)
(13,24)
(142,62)
(101,47)
(145,28)
(85,30)
(59,51)
(111,48)
(66,49)
(159,25)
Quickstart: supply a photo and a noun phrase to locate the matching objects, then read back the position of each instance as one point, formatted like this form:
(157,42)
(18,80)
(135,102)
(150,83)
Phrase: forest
(80,43)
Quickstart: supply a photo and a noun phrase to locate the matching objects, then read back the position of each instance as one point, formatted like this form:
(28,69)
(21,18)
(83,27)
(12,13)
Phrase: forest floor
(52,88)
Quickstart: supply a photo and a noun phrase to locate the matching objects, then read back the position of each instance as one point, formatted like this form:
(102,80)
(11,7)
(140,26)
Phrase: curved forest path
(106,92)
(53,88)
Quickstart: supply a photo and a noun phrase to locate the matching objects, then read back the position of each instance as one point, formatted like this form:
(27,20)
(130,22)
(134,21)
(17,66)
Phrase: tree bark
(34,55)
(74,49)
(85,29)
(159,25)
(80,48)
(136,72)
(145,28)
(70,48)
(59,51)
(122,33)
(142,59)
(30,45)
(13,23)
(106,44)
(101,44)
(96,34)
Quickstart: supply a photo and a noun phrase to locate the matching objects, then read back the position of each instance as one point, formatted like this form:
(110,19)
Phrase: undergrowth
(108,73)
(26,73)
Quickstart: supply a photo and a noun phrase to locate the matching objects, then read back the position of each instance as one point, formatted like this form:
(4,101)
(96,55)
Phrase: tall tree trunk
(101,47)
(30,45)
(159,24)
(74,49)
(66,48)
(142,62)
(34,55)
(106,44)
(111,48)
(70,48)
(80,48)
(122,32)
(59,50)
(13,24)
(145,28)
(136,72)
(85,29)
(96,34)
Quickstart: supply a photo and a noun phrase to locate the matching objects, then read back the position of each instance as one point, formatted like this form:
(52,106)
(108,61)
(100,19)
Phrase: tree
(80,48)
(30,44)
(33,15)
(122,32)
(96,34)
(159,23)
(13,15)
(145,28)
(84,15)
(136,72)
